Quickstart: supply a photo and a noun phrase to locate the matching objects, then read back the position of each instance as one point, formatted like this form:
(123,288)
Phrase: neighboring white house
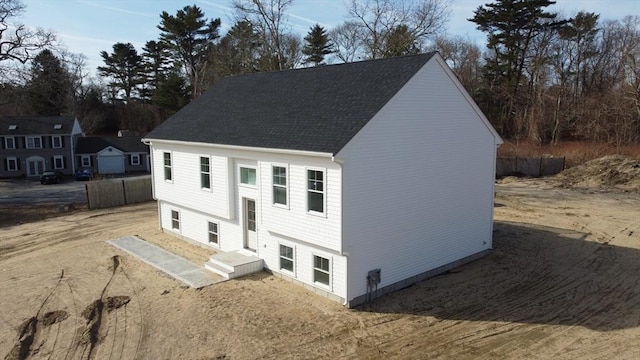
(353,180)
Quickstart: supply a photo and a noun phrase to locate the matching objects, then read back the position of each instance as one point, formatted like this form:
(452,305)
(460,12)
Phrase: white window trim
(286,167)
(179,229)
(33,138)
(135,159)
(313,269)
(202,173)
(15,162)
(209,233)
(53,142)
(83,158)
(13,143)
(240,183)
(164,167)
(324,191)
(55,162)
(293,260)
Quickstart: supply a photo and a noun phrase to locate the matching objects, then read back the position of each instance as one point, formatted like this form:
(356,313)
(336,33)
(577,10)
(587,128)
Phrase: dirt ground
(562,282)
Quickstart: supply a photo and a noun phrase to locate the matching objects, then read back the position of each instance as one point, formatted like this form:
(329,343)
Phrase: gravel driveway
(31,192)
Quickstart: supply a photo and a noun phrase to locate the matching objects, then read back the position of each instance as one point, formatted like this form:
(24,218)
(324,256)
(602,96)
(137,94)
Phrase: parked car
(84,174)
(51,177)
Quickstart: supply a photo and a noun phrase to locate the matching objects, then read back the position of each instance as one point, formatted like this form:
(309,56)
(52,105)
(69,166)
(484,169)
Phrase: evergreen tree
(239,50)
(156,58)
(400,42)
(124,66)
(49,87)
(317,45)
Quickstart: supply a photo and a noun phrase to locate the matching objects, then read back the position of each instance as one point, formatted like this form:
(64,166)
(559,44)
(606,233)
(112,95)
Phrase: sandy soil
(563,282)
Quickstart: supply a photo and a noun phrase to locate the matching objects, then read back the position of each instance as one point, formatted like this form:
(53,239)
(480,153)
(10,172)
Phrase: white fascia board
(150,141)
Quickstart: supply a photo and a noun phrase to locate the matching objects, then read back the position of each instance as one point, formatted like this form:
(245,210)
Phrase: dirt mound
(615,171)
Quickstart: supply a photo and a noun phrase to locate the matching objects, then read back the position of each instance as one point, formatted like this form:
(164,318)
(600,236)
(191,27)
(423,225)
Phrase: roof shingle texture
(94,144)
(36,125)
(314,109)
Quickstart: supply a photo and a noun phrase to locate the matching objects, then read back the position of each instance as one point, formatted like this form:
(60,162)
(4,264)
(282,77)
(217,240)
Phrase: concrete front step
(233,264)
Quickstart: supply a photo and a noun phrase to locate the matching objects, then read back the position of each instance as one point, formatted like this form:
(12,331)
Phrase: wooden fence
(529,166)
(118,192)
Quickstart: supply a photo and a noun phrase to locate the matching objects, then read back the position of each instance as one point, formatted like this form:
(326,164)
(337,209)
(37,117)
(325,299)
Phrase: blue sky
(90,26)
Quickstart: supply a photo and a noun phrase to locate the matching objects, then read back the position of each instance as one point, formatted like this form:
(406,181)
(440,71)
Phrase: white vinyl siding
(280,192)
(168,171)
(33,142)
(9,143)
(439,214)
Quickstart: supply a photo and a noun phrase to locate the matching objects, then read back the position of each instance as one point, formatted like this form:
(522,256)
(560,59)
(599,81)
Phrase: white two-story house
(352,180)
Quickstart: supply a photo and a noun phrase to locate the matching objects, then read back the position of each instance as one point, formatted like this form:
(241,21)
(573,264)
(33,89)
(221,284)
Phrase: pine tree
(317,45)
(49,87)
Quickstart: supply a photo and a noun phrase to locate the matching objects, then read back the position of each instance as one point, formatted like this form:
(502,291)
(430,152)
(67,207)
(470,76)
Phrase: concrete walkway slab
(172,264)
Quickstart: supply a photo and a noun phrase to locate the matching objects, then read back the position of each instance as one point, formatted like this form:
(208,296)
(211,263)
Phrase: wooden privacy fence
(529,166)
(117,192)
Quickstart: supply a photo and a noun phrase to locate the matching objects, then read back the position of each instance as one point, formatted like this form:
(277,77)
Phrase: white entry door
(250,235)
(35,166)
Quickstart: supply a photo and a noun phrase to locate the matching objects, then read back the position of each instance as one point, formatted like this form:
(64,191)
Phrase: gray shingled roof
(314,109)
(34,125)
(94,144)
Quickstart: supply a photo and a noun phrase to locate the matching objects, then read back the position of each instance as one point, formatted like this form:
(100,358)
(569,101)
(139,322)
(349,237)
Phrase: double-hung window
(213,232)
(34,142)
(58,162)
(175,220)
(248,176)
(12,164)
(286,258)
(135,159)
(9,143)
(56,142)
(280,185)
(205,173)
(321,271)
(167,166)
(315,191)
(86,160)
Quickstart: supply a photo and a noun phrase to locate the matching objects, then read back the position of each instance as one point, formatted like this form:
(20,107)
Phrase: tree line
(541,76)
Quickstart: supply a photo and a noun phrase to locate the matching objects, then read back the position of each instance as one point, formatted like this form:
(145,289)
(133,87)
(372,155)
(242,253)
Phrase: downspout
(493,192)
(342,252)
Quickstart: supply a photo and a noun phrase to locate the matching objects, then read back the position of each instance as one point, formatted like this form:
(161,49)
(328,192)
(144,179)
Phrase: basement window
(175,220)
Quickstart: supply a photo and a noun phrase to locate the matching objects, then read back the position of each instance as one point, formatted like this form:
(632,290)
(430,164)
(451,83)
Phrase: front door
(250,235)
(35,166)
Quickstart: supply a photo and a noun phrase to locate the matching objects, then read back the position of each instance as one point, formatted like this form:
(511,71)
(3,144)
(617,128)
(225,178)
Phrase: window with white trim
(9,142)
(175,220)
(56,142)
(248,176)
(286,258)
(58,162)
(213,233)
(85,160)
(279,185)
(167,166)
(315,191)
(321,272)
(12,164)
(205,172)
(135,159)
(34,142)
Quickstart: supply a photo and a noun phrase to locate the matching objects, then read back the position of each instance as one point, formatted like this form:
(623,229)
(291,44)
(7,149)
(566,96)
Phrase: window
(12,164)
(280,185)
(86,160)
(13,127)
(315,191)
(321,272)
(286,258)
(57,126)
(135,159)
(248,176)
(175,220)
(213,233)
(167,166)
(10,142)
(56,142)
(205,173)
(58,162)
(34,142)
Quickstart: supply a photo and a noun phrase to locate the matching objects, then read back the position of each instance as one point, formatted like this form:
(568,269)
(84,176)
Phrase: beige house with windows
(30,145)
(352,180)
